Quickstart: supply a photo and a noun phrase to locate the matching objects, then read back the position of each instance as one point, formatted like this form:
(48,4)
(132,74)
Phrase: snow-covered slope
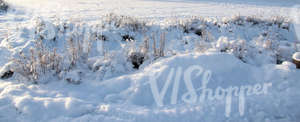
(129,97)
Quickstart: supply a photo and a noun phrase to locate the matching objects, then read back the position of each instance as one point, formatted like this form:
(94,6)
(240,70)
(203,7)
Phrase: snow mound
(296,56)
(131,97)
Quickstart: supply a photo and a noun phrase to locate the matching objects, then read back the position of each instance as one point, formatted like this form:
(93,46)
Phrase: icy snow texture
(296,56)
(129,98)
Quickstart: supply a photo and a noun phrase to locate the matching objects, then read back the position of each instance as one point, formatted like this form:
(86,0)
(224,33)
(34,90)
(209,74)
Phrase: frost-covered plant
(75,50)
(44,30)
(223,44)
(44,59)
(253,20)
(113,63)
(162,44)
(39,63)
(239,49)
(146,46)
(79,43)
(159,52)
(238,20)
(137,59)
(75,41)
(155,51)
(190,25)
(236,47)
(125,22)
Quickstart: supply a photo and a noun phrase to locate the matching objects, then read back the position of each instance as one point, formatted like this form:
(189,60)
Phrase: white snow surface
(296,56)
(124,95)
(129,98)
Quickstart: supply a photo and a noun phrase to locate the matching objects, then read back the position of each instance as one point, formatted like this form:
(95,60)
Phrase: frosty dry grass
(40,62)
(125,22)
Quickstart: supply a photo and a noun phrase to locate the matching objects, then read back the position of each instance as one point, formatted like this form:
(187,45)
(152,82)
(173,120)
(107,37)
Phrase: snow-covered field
(149,60)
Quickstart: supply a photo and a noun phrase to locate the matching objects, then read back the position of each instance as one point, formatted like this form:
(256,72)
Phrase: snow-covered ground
(240,51)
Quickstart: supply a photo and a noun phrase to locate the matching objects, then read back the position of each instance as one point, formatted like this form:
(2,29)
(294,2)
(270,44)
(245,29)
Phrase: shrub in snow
(239,49)
(7,71)
(41,62)
(45,30)
(204,34)
(127,38)
(101,37)
(126,22)
(190,25)
(253,20)
(3,6)
(76,44)
(116,63)
(160,51)
(296,59)
(278,21)
(137,59)
(236,47)
(76,51)
(162,43)
(199,32)
(238,20)
(7,74)
(73,77)
(145,47)
(223,44)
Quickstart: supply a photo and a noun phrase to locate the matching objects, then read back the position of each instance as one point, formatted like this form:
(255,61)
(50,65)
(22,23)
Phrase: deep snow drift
(129,97)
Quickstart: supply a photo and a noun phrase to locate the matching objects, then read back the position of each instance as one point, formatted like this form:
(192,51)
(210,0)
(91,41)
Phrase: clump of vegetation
(40,62)
(7,74)
(137,59)
(127,38)
(125,22)
(278,21)
(160,50)
(3,6)
(189,25)
(79,39)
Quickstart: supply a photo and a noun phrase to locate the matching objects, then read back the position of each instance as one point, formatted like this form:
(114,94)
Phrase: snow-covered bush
(191,24)
(43,63)
(223,44)
(78,44)
(278,21)
(75,49)
(57,50)
(160,50)
(40,63)
(7,71)
(236,47)
(137,59)
(3,6)
(126,22)
(44,30)
(112,64)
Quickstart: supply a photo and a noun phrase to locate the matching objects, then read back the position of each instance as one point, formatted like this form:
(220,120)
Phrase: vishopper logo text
(199,95)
